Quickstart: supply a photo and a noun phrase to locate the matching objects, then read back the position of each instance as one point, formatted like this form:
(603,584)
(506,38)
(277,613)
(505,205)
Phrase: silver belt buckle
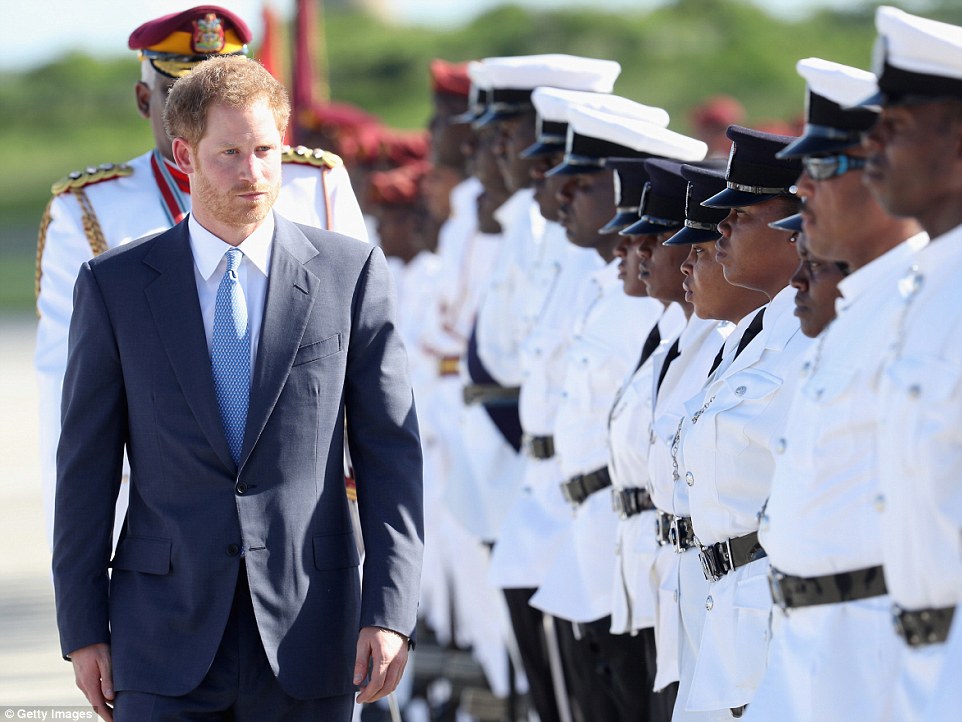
(618,504)
(663,528)
(775,578)
(711,566)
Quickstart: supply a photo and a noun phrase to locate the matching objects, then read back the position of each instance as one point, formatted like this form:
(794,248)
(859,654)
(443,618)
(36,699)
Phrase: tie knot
(234,257)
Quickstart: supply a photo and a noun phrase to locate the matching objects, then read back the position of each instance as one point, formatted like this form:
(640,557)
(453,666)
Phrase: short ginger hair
(233,80)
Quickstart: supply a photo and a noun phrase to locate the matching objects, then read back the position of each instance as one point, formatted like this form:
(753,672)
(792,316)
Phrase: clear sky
(36,31)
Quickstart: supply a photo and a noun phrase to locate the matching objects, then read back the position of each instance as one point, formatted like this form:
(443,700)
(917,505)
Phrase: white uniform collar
(869,276)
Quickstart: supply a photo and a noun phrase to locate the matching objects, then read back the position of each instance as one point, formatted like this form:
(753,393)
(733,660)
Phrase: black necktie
(751,332)
(651,343)
(672,354)
(718,359)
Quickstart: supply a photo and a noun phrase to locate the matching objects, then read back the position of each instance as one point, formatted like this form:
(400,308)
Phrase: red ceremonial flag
(310,62)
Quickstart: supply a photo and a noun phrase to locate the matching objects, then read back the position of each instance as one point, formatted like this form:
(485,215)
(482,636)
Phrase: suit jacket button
(233,550)
(241,487)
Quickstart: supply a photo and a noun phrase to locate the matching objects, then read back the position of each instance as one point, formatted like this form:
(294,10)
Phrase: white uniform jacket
(633,602)
(605,347)
(920,447)
(697,345)
(530,531)
(833,661)
(727,450)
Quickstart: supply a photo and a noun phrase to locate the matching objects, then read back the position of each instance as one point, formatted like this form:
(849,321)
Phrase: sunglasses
(821,168)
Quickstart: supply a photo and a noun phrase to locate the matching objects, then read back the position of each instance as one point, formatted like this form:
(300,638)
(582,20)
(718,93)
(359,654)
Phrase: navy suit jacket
(139,377)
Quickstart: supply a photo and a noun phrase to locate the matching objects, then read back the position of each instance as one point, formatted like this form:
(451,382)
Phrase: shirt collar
(878,271)
(208,249)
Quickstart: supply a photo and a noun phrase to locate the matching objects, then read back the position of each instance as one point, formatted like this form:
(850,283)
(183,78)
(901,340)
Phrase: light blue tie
(230,354)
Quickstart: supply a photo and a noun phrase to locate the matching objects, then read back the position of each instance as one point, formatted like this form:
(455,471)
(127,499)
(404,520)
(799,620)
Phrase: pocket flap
(926,379)
(318,349)
(335,551)
(149,555)
(753,384)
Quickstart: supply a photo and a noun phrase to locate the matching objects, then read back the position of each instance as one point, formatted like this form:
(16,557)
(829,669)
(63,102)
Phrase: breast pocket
(922,393)
(318,350)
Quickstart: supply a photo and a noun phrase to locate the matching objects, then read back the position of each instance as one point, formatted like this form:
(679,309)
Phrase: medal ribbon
(176,195)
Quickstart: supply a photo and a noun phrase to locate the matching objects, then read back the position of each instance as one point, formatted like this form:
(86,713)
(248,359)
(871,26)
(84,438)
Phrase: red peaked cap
(400,186)
(156,31)
(450,78)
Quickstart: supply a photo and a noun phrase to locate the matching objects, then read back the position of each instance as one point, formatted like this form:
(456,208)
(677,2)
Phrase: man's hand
(389,652)
(94,674)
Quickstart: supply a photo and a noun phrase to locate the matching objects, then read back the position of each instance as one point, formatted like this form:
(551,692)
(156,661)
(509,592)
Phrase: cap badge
(208,35)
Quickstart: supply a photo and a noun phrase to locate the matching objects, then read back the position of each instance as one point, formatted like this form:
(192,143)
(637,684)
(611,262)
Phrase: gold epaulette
(90,175)
(310,156)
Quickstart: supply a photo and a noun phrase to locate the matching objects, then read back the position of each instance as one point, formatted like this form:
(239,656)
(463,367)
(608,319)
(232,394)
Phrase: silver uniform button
(689,478)
(740,391)
(915,391)
(763,522)
(709,603)
(780,446)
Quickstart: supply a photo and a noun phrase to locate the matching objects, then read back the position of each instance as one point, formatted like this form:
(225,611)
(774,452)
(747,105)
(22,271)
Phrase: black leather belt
(663,528)
(490,394)
(790,592)
(539,447)
(630,501)
(580,487)
(722,557)
(922,627)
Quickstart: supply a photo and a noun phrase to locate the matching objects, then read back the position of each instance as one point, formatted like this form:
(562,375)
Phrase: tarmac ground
(32,672)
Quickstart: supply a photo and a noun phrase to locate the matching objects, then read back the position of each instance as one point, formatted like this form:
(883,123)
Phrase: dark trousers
(527,623)
(612,675)
(239,687)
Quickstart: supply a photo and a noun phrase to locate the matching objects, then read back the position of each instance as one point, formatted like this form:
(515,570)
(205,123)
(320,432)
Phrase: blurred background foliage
(80,111)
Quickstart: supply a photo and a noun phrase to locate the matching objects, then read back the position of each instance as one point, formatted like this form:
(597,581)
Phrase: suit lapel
(173,302)
(291,291)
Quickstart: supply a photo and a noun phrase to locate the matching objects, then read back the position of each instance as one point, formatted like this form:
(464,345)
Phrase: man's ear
(142,93)
(183,155)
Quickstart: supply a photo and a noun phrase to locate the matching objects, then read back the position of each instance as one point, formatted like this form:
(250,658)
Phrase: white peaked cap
(841,84)
(553,104)
(555,70)
(636,134)
(919,45)
(477,75)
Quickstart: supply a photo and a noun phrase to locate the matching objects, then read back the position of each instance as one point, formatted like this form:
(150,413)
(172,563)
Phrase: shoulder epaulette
(89,176)
(310,156)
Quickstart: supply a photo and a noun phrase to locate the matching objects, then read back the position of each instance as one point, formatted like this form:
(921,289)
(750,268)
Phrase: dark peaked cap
(754,172)
(701,223)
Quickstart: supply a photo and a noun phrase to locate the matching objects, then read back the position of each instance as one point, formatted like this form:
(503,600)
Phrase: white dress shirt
(210,264)
(820,518)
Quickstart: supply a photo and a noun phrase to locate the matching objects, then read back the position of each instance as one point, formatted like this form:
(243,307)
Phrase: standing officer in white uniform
(678,580)
(914,168)
(630,422)
(832,654)
(606,343)
(522,275)
(726,449)
(100,208)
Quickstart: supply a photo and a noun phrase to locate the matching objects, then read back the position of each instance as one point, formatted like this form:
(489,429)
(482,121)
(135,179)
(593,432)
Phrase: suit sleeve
(383,436)
(89,468)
